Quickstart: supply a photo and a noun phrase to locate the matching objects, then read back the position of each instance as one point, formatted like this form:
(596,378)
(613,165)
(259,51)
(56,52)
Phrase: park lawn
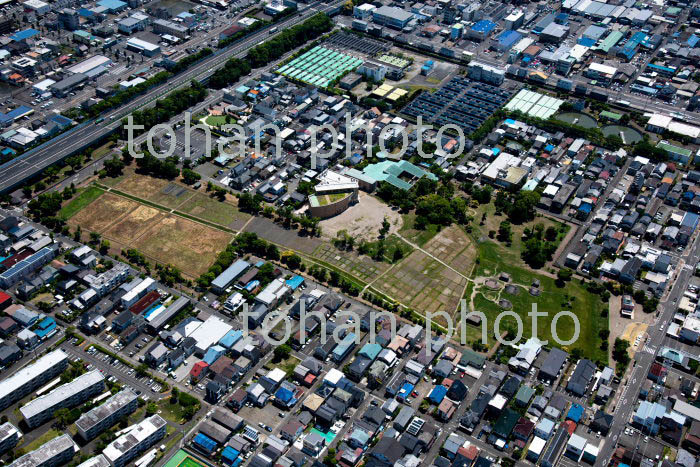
(494,259)
(79,202)
(215,120)
(45,438)
(419,237)
(171,412)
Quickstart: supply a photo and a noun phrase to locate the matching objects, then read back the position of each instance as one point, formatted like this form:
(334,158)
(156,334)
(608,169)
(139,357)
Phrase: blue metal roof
(484,26)
(231,337)
(575,413)
(294,282)
(693,40)
(586,41)
(24,35)
(228,455)
(112,4)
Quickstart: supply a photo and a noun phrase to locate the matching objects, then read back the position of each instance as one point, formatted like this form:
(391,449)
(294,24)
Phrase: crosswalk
(650,349)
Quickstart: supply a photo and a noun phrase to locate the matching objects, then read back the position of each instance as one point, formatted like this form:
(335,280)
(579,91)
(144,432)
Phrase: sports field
(184,459)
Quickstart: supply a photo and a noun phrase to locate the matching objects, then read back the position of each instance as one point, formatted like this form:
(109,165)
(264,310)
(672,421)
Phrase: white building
(57,452)
(139,437)
(67,395)
(209,333)
(24,381)
(103,416)
(133,295)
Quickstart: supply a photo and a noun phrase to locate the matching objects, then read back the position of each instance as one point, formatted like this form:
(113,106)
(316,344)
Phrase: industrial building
(29,378)
(392,17)
(67,395)
(103,416)
(146,48)
(140,437)
(226,278)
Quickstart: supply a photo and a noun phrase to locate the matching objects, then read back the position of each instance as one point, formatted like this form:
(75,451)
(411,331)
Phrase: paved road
(15,172)
(642,360)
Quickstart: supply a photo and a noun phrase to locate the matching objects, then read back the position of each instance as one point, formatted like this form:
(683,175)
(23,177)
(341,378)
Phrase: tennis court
(184,459)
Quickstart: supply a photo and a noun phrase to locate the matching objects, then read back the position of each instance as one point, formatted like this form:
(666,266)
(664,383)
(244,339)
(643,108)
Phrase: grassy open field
(494,258)
(419,237)
(84,197)
(224,213)
(360,266)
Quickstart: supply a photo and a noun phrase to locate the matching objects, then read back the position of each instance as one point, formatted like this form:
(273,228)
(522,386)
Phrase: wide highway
(15,172)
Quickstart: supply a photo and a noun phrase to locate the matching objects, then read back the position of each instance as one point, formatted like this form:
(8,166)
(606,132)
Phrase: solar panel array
(460,102)
(319,66)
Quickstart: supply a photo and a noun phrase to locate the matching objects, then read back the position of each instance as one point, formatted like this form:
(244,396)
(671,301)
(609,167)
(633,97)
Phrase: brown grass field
(189,246)
(132,226)
(102,212)
(162,237)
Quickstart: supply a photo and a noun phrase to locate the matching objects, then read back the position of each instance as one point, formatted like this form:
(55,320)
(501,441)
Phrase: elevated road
(15,172)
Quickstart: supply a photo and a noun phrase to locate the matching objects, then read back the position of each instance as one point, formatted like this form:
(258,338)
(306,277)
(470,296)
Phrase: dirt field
(423,284)
(131,227)
(102,212)
(164,238)
(363,220)
(453,246)
(156,190)
(190,246)
(226,213)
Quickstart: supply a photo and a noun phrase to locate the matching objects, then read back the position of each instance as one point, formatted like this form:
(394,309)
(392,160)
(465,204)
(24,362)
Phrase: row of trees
(176,102)
(271,50)
(122,97)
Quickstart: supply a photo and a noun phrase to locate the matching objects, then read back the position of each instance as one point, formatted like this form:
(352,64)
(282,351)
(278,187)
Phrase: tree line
(271,50)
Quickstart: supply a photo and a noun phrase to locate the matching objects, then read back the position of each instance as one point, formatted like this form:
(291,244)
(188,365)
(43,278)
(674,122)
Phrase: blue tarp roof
(437,394)
(228,455)
(284,394)
(585,207)
(23,35)
(693,40)
(205,442)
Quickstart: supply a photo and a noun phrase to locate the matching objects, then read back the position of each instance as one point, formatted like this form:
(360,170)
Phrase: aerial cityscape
(349,233)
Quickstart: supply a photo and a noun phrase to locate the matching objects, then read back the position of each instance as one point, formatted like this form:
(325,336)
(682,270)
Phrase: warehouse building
(66,85)
(68,395)
(161,26)
(26,380)
(226,278)
(57,452)
(146,48)
(100,418)
(140,437)
(392,17)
